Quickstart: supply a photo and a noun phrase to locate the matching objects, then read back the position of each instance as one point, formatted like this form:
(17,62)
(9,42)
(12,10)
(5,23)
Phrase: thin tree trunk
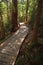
(14,16)
(38,15)
(1,26)
(7,12)
(27,11)
(22,1)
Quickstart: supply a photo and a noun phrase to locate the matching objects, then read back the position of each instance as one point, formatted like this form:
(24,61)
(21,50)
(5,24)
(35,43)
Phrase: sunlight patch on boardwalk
(10,48)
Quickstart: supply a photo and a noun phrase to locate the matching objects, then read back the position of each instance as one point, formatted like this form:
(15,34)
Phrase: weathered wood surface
(10,48)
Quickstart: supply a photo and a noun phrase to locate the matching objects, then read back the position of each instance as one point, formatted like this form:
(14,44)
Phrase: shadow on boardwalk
(10,48)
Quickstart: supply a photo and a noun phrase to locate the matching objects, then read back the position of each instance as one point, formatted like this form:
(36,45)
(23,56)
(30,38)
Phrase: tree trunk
(1,26)
(38,15)
(14,16)
(22,1)
(27,11)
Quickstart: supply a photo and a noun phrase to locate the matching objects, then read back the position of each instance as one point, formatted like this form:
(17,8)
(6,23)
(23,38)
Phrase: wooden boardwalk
(10,48)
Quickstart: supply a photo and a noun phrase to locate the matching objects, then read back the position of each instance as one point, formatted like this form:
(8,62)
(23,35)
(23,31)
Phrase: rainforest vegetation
(13,12)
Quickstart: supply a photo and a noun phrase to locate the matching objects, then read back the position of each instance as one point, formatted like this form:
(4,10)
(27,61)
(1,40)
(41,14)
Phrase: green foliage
(3,6)
(32,12)
(21,10)
(5,9)
(32,6)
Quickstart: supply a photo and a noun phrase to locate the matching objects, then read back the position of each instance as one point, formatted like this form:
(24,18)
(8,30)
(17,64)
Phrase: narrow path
(10,48)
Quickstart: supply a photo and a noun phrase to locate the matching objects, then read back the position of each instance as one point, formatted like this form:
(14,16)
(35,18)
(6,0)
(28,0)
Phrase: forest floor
(30,54)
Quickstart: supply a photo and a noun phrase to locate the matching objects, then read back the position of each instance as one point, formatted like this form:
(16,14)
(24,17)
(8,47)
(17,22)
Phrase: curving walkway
(10,48)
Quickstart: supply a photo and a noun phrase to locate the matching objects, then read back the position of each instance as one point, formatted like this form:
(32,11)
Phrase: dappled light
(12,45)
(21,32)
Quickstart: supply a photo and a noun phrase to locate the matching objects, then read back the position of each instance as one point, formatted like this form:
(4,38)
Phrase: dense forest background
(26,11)
(12,13)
